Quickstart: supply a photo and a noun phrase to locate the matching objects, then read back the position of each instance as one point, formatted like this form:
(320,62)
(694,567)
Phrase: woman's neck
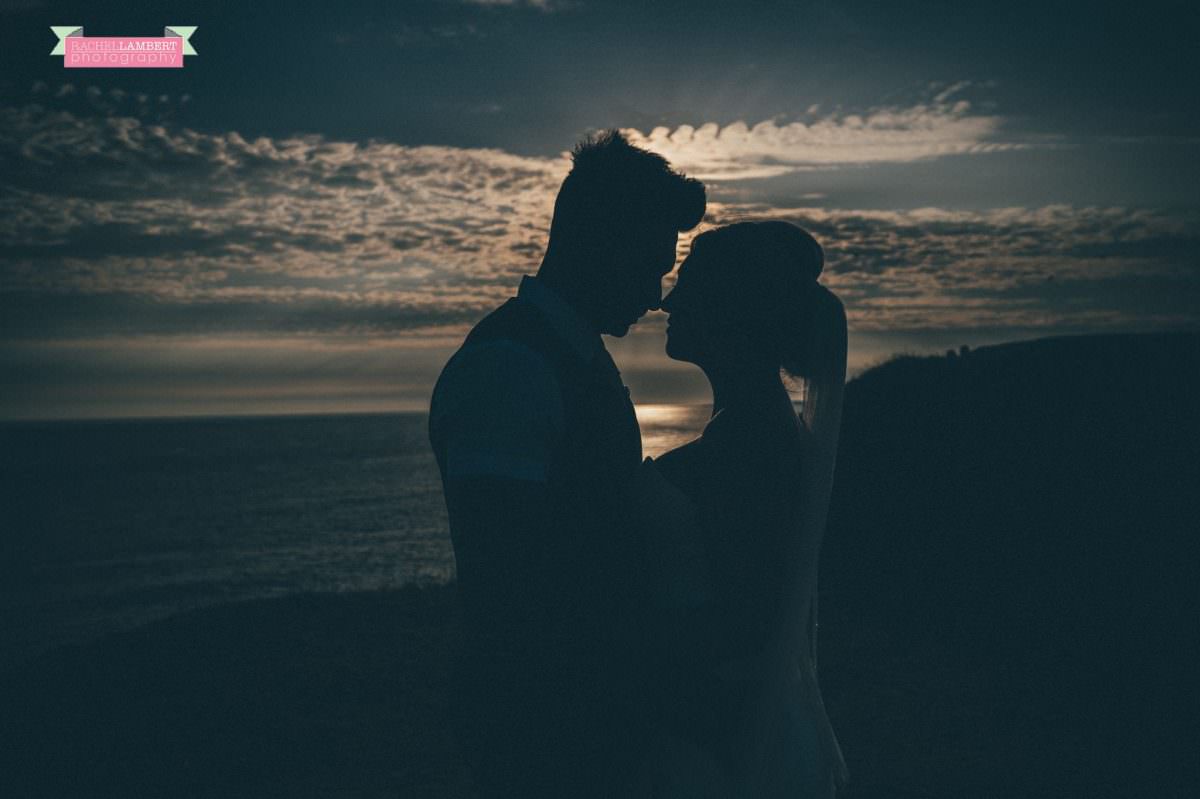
(756,390)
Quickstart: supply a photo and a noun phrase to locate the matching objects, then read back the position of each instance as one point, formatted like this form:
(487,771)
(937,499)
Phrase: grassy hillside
(1028,512)
(1008,610)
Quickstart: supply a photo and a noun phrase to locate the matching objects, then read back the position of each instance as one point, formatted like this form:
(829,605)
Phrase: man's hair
(614,185)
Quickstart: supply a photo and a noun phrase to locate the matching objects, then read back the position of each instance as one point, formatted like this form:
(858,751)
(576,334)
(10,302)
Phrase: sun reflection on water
(666,426)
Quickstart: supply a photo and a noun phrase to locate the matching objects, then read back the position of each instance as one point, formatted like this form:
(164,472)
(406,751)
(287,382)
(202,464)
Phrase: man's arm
(502,529)
(500,419)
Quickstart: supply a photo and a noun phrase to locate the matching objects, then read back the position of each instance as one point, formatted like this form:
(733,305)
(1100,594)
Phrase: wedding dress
(739,572)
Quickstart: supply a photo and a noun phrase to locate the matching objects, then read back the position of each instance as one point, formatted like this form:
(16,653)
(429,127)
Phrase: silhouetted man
(536,441)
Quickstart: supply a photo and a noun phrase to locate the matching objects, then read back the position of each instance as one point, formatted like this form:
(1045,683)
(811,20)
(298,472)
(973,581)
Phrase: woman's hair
(761,278)
(765,275)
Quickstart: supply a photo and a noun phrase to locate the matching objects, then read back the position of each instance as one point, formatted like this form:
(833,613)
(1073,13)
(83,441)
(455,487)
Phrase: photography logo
(166,51)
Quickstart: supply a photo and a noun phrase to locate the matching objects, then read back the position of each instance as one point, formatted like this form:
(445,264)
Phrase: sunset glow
(193,241)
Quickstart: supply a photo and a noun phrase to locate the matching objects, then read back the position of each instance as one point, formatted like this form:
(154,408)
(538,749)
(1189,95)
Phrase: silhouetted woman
(745,506)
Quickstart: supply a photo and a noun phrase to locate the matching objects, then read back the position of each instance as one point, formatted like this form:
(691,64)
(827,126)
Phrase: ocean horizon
(117,522)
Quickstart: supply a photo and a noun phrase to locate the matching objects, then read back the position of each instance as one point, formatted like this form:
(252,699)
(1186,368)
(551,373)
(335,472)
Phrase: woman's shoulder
(682,464)
(766,430)
(737,442)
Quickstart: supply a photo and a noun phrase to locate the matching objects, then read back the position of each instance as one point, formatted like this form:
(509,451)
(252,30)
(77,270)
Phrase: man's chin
(617,330)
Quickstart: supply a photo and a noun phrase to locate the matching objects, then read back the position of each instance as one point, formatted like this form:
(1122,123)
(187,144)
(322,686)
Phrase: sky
(312,212)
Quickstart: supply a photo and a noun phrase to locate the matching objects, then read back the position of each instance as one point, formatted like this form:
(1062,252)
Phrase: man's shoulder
(496,377)
(497,410)
(510,364)
(500,358)
(514,318)
(520,321)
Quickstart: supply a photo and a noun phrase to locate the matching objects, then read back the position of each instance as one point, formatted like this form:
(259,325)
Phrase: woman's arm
(670,523)
(693,625)
(745,510)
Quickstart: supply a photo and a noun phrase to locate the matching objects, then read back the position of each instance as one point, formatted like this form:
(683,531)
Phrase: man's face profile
(639,263)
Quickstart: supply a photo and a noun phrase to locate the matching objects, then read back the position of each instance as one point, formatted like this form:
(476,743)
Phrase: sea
(106,525)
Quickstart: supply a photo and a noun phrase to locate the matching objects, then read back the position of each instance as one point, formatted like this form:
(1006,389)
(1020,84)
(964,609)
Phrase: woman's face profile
(707,323)
(691,318)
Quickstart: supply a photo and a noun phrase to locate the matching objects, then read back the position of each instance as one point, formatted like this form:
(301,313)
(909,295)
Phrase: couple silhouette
(638,627)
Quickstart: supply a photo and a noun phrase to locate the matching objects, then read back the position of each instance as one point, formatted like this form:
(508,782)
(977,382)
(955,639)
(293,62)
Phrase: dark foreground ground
(1008,610)
(343,696)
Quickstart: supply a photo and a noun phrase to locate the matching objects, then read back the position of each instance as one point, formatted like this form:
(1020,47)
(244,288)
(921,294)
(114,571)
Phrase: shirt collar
(579,334)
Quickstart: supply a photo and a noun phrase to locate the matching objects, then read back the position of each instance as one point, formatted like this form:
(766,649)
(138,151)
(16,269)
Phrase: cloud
(1027,268)
(883,135)
(540,5)
(87,101)
(145,265)
(111,226)
(16,6)
(110,206)
(152,375)
(435,35)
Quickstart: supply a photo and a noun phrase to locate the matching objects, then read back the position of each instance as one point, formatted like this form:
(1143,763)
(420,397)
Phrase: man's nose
(665,303)
(654,298)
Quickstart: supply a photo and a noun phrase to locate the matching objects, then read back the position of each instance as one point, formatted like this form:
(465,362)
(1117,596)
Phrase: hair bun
(796,245)
(802,306)
(765,275)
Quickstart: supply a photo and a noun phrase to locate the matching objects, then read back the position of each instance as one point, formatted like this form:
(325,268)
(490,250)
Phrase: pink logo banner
(117,52)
